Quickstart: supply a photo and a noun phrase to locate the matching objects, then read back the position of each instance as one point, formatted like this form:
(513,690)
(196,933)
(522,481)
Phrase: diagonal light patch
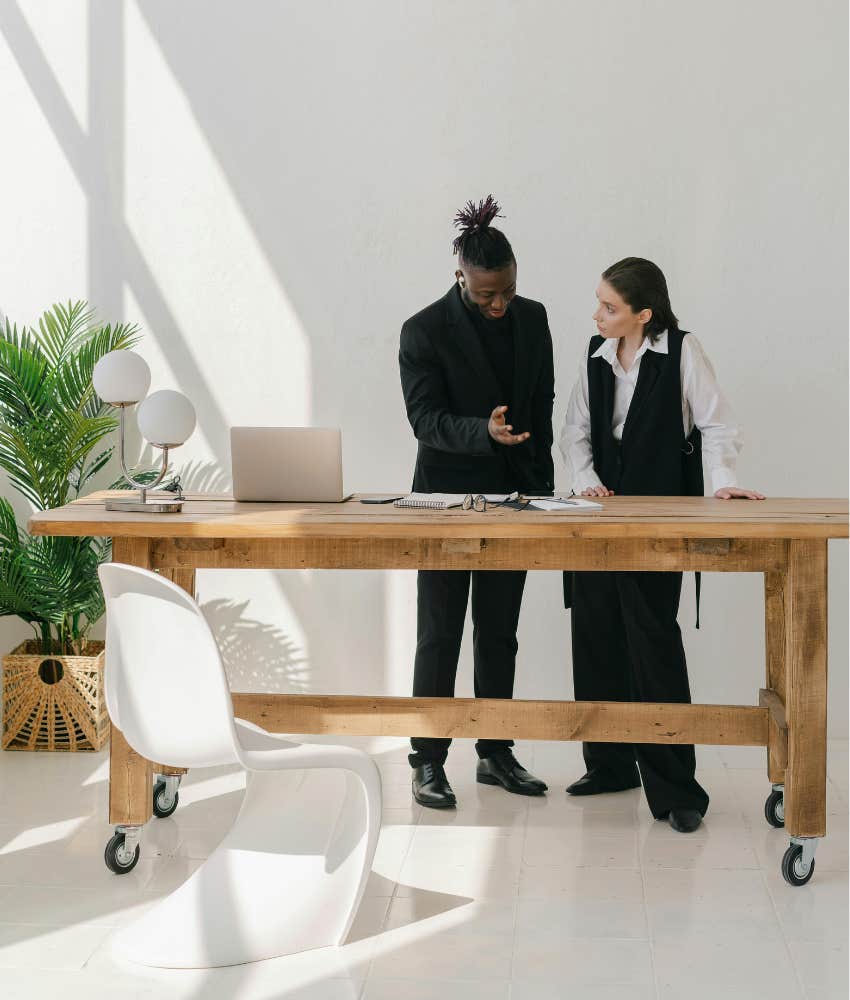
(203,251)
(39,836)
(42,81)
(92,178)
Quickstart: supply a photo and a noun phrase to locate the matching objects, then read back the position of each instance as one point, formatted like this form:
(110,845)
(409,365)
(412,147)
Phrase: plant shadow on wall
(204,477)
(195,476)
(257,656)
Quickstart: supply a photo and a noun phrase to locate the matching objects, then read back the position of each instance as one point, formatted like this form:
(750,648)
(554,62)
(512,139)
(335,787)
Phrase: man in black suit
(474,360)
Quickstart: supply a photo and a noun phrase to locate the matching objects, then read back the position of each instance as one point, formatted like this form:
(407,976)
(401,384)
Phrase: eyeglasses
(516,501)
(478,502)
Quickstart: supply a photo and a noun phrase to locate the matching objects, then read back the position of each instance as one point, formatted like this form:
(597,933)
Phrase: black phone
(379,499)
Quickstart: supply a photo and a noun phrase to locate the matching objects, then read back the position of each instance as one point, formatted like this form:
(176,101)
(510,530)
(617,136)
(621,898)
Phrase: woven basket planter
(54,702)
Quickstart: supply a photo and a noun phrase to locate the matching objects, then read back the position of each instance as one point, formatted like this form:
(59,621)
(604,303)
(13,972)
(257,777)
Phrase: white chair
(291,872)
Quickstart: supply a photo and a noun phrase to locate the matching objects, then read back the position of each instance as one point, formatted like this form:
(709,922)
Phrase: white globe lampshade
(166,418)
(121,377)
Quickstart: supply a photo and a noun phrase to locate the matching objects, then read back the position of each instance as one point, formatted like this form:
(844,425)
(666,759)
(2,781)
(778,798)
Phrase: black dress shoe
(684,820)
(595,782)
(431,787)
(502,768)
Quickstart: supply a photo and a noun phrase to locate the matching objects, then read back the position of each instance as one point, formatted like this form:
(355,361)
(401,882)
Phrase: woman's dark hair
(642,284)
(479,244)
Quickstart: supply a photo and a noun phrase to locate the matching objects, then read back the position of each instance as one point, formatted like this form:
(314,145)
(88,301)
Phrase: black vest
(654,458)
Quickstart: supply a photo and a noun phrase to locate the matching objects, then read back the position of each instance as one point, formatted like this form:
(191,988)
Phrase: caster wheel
(163,803)
(792,870)
(118,859)
(774,809)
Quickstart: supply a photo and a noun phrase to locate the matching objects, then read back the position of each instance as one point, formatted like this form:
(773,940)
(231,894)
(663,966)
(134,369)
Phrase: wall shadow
(257,656)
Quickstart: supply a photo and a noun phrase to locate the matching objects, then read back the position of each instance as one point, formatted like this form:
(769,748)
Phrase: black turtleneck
(497,341)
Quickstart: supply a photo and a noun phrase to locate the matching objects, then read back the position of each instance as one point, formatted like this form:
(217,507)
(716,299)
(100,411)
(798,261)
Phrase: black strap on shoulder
(695,440)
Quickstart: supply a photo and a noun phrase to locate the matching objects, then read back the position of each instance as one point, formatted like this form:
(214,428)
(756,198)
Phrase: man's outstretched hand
(500,432)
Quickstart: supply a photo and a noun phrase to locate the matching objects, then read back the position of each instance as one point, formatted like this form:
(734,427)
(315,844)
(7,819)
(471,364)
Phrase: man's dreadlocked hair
(479,244)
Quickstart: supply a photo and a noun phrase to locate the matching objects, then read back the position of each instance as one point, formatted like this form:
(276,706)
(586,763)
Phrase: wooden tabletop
(220,516)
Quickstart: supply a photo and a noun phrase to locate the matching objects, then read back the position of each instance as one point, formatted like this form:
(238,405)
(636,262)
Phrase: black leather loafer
(684,820)
(431,787)
(597,782)
(504,769)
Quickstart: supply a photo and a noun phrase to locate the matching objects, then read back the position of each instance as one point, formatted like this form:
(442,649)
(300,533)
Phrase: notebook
(562,504)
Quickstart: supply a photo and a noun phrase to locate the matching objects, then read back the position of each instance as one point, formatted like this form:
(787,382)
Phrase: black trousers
(442,597)
(627,646)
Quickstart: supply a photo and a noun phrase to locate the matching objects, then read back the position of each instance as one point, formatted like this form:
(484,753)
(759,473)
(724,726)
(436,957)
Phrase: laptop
(287,464)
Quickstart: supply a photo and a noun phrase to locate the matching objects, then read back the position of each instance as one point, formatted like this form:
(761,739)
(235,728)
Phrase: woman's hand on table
(597,491)
(736,493)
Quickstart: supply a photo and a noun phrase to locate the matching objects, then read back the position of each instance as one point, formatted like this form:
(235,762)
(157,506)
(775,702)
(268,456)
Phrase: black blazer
(450,390)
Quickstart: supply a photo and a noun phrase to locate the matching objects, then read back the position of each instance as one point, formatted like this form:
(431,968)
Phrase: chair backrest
(166,689)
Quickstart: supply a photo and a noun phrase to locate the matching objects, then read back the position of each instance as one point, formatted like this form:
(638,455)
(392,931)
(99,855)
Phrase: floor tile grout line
(651,941)
(797,973)
(516,898)
(393,897)
(751,831)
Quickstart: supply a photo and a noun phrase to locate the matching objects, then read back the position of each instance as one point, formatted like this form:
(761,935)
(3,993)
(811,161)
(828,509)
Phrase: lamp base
(146,506)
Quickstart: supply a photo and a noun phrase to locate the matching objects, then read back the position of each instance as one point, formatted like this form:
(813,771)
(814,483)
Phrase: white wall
(268,190)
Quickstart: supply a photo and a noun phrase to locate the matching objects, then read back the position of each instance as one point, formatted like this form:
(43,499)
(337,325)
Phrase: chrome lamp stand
(142,504)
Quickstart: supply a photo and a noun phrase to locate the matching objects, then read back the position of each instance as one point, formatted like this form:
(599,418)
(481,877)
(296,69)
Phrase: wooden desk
(785,539)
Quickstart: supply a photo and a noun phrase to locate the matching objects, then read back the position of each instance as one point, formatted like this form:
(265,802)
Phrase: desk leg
(129,783)
(129,773)
(774,644)
(805,687)
(805,704)
(129,803)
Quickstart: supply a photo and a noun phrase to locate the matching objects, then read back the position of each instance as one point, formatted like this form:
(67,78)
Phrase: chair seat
(259,750)
(255,739)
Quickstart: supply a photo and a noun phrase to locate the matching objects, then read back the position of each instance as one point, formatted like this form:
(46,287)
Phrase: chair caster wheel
(118,856)
(165,799)
(774,809)
(794,869)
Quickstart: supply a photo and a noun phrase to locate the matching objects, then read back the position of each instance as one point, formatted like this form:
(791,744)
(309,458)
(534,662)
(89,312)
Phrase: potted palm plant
(53,442)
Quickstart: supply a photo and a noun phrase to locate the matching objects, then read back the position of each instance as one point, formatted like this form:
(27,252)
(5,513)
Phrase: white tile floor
(505,899)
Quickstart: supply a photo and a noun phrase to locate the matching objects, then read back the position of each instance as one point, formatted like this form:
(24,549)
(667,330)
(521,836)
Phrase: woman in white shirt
(645,410)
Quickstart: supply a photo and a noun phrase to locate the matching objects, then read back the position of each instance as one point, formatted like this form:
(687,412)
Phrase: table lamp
(166,419)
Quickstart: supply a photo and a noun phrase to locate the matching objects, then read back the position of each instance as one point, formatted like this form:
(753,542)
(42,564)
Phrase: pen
(564,500)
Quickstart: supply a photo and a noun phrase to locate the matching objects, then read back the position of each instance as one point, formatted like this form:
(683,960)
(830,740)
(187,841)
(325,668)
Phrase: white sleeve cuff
(722,477)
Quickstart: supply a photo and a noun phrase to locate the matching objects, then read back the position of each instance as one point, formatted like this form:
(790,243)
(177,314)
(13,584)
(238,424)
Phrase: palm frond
(63,572)
(61,329)
(23,376)
(86,472)
(18,592)
(20,461)
(52,444)
(102,548)
(74,372)
(11,536)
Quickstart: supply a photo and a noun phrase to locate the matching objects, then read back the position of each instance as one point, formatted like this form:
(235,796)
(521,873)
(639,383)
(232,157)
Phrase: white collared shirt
(703,406)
